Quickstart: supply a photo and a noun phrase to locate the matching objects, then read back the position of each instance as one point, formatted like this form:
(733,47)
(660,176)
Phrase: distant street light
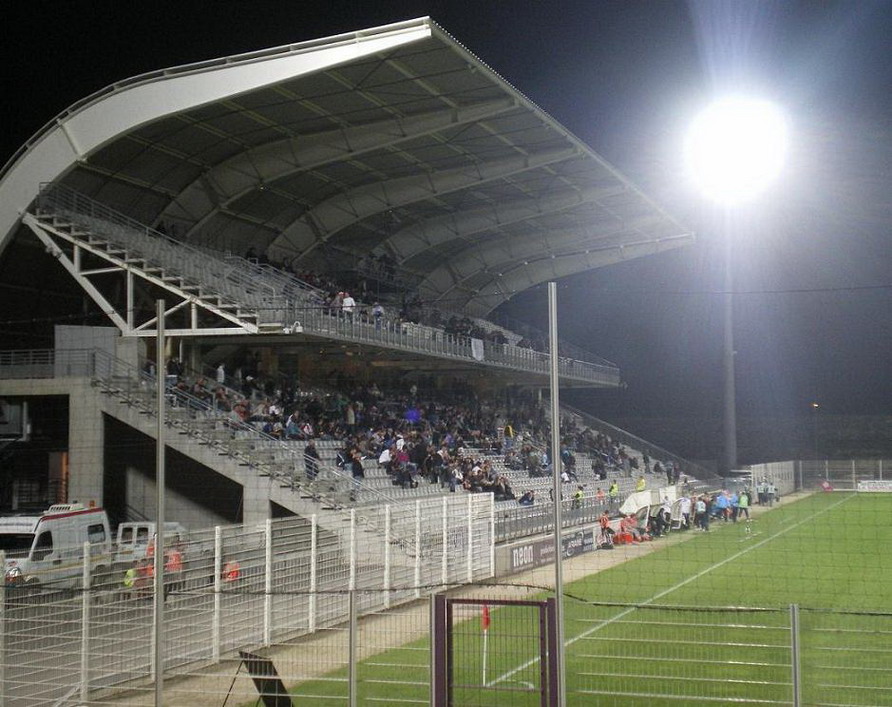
(734,150)
(815,407)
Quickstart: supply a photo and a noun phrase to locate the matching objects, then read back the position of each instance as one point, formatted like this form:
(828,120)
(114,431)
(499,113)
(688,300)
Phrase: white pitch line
(660,595)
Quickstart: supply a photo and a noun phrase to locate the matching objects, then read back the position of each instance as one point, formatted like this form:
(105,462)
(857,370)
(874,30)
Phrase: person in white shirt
(684,508)
(348,306)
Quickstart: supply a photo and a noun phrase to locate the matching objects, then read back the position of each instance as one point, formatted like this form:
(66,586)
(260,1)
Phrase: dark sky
(813,258)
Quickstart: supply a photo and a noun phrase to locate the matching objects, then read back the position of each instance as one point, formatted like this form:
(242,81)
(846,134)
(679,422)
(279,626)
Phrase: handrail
(113,373)
(274,296)
(620,435)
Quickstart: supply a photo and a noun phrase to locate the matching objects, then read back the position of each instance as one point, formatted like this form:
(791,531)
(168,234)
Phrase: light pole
(733,151)
(814,429)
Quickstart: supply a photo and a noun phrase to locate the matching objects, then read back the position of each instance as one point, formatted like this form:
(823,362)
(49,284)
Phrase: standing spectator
(311,460)
(221,374)
(348,306)
(358,473)
(607,533)
(378,314)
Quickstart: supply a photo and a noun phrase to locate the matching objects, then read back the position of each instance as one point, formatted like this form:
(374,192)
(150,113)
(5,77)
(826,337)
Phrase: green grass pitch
(705,621)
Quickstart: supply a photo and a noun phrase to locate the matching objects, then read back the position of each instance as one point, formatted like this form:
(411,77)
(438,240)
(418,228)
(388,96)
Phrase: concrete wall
(140,494)
(85,430)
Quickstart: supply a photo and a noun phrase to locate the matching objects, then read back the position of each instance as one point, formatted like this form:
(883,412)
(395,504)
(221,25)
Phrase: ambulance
(47,550)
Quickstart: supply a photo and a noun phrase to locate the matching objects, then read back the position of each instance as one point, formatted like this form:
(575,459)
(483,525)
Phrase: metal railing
(617,434)
(265,454)
(275,297)
(527,521)
(240,587)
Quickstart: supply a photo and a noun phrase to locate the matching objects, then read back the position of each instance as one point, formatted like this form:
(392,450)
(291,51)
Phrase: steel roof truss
(266,164)
(82,243)
(342,210)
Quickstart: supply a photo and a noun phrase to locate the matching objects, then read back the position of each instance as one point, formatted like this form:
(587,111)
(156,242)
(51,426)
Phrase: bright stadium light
(735,148)
(733,151)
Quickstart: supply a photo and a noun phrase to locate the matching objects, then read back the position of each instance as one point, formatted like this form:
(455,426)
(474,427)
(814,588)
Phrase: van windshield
(16,544)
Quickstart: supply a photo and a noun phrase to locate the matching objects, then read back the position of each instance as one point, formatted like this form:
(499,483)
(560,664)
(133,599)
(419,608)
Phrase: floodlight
(736,148)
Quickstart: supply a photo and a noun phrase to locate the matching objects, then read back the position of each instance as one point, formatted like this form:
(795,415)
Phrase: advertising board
(536,553)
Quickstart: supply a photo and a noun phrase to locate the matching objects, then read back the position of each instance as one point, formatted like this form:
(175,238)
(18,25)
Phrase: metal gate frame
(442,646)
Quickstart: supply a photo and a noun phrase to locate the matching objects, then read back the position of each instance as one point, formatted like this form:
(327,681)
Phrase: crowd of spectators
(417,435)
(329,295)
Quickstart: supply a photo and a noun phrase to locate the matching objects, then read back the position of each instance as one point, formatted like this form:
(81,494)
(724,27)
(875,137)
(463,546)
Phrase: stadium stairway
(264,467)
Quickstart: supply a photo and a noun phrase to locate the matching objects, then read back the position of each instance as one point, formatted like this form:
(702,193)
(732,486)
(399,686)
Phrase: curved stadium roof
(393,141)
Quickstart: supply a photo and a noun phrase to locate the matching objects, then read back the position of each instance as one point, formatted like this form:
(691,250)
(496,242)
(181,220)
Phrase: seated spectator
(528,498)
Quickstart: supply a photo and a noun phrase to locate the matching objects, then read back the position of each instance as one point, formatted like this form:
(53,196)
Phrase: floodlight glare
(736,148)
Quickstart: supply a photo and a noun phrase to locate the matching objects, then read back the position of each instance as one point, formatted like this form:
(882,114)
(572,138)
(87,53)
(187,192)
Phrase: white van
(134,538)
(48,549)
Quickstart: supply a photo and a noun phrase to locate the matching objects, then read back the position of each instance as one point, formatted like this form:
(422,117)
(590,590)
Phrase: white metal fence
(240,588)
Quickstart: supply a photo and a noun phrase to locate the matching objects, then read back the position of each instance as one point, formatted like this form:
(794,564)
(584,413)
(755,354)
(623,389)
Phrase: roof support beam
(266,164)
(73,268)
(504,251)
(522,276)
(342,210)
(415,239)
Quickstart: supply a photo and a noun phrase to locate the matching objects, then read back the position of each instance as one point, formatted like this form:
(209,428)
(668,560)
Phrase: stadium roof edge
(15,197)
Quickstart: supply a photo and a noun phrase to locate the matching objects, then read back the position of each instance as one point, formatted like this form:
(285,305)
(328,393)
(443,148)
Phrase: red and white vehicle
(48,549)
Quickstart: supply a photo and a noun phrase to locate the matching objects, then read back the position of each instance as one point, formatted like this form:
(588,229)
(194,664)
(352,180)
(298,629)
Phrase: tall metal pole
(730,416)
(158,628)
(556,490)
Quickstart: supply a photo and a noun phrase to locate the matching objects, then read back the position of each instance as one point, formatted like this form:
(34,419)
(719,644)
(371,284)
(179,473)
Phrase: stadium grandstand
(350,427)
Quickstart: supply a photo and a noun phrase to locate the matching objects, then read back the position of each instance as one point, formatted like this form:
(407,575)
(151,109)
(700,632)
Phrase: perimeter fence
(57,652)
(87,624)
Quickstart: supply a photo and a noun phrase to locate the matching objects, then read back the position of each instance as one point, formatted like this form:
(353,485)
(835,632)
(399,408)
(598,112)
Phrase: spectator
(528,498)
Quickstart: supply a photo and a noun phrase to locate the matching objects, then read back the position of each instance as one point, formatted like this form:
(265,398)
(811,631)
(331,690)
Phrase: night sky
(813,257)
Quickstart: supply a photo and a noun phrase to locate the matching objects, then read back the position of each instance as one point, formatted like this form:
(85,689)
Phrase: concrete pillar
(129,349)
(86,442)
(255,500)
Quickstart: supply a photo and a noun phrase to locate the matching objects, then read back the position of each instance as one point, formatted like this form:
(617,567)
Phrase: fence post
(417,548)
(352,584)
(311,610)
(854,477)
(3,630)
(470,544)
(492,538)
(881,469)
(387,556)
(444,544)
(218,579)
(268,582)
(85,625)
(352,653)
(795,649)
